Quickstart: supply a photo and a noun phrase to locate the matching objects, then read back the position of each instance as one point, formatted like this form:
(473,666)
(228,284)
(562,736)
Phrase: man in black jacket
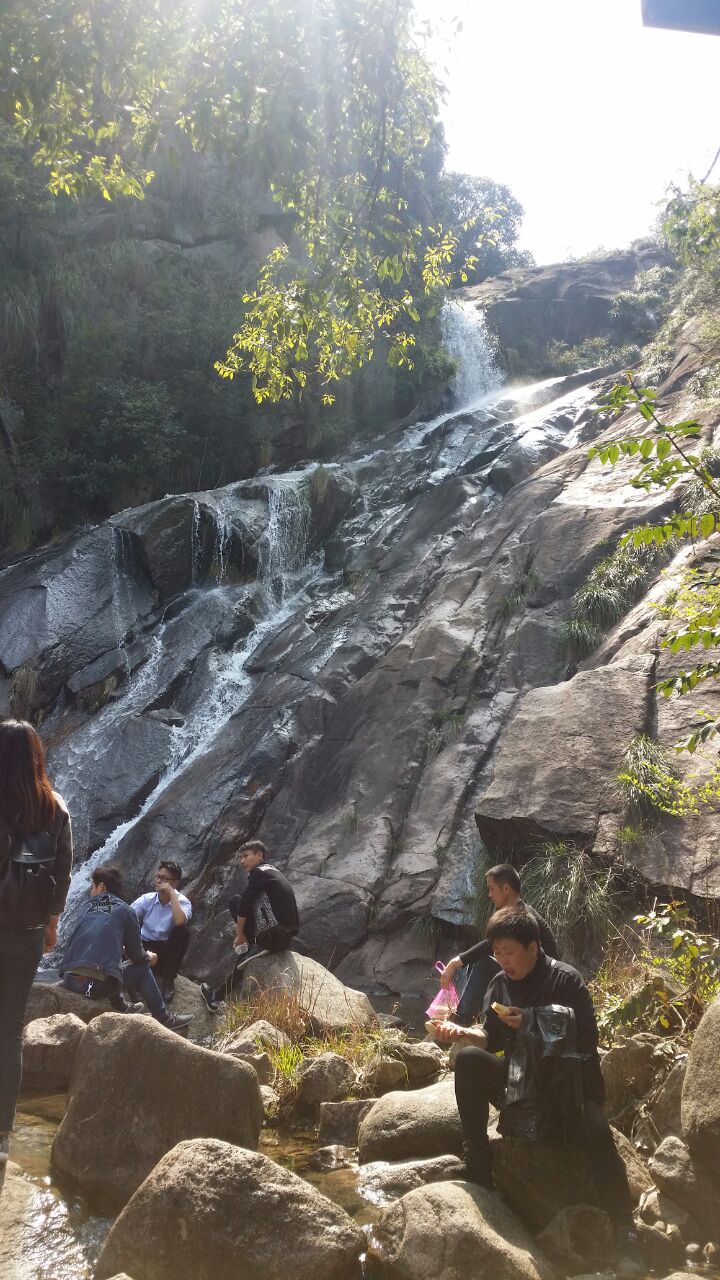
(530,979)
(265,915)
(504,890)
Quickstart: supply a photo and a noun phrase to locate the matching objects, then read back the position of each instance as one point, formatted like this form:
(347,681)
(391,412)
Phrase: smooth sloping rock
(578,1237)
(536,793)
(326,1078)
(383,1180)
(259,1035)
(47,999)
(452,1230)
(331,1005)
(212,1211)
(49,1048)
(137,1090)
(701,1091)
(340,1121)
(420,1122)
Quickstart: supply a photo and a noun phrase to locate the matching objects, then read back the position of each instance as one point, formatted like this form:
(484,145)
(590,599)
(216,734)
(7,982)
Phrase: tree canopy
(332,105)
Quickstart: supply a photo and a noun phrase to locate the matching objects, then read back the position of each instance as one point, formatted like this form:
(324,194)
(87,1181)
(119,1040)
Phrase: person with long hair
(35,864)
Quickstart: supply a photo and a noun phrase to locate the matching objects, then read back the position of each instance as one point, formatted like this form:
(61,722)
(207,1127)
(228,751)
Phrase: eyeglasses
(165,879)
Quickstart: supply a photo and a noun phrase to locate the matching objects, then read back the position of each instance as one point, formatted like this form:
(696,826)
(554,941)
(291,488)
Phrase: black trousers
(275,939)
(171,952)
(482,971)
(480,1081)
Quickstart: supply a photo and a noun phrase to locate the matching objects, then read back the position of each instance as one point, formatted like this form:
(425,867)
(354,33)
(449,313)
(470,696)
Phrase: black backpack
(27,883)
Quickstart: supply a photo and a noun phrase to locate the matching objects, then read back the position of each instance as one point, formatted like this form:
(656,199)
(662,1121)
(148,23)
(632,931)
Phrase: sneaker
(209,997)
(121,1005)
(478,1167)
(178,1021)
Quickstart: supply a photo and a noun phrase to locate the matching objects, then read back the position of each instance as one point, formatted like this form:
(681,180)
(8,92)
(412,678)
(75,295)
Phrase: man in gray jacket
(92,963)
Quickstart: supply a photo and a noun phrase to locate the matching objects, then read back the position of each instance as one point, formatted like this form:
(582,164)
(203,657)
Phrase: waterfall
(466,340)
(284,572)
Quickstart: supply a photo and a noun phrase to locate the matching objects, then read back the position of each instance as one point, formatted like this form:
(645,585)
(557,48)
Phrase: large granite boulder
(419,1122)
(48,999)
(49,1048)
(329,1004)
(453,1229)
(628,1070)
(215,1212)
(137,1089)
(691,1185)
(701,1092)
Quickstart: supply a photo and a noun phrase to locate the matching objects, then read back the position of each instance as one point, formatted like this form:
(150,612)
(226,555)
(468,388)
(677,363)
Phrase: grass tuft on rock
(611,589)
(578,900)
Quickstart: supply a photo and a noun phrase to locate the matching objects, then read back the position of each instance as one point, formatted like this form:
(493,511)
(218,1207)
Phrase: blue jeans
(20,952)
(138,976)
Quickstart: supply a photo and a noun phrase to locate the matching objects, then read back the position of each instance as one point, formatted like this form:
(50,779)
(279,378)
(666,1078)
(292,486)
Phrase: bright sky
(583,112)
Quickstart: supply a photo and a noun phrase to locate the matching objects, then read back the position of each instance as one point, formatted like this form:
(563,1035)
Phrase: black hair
(174,868)
(111,877)
(513,922)
(253,846)
(503,873)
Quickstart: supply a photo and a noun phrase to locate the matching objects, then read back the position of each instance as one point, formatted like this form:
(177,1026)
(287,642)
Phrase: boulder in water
(419,1122)
(138,1089)
(327,1078)
(383,1180)
(215,1212)
(340,1121)
(453,1229)
(49,1048)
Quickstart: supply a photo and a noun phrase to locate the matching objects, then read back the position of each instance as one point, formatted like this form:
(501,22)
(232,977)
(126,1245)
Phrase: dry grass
(363,1048)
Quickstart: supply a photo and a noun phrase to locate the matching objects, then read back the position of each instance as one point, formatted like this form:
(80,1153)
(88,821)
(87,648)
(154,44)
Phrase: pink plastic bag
(446,1001)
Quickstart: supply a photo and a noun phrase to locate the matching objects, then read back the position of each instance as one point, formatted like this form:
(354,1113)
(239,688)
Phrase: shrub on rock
(137,1090)
(212,1211)
(49,1048)
(453,1229)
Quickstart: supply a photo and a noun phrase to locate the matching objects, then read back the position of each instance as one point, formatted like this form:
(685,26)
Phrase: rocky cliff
(362,664)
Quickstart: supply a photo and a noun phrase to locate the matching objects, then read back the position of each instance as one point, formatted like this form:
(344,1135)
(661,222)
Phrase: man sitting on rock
(165,916)
(92,963)
(527,980)
(265,915)
(504,890)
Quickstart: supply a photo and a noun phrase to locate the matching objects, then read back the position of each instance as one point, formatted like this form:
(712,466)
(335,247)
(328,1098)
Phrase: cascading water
(466,340)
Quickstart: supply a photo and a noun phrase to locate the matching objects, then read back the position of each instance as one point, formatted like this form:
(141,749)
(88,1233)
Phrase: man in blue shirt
(164,917)
(92,963)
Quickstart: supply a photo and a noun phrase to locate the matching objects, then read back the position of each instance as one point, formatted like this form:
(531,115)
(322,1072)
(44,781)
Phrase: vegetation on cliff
(269,172)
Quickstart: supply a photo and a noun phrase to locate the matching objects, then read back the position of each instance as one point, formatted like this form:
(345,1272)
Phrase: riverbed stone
(214,1212)
(340,1121)
(628,1069)
(417,1122)
(677,1173)
(163,1090)
(50,998)
(385,1074)
(453,1229)
(423,1060)
(257,1036)
(578,1237)
(327,1078)
(270,1100)
(49,1048)
(260,1063)
(665,1112)
(330,1005)
(385,1180)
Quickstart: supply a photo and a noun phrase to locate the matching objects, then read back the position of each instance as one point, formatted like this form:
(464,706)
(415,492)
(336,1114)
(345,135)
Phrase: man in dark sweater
(265,914)
(504,890)
(530,979)
(92,963)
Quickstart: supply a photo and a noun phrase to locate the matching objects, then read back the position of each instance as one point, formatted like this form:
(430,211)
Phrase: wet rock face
(223,683)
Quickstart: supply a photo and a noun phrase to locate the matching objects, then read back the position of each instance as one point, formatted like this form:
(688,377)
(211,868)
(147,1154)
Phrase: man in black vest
(504,890)
(528,978)
(265,915)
